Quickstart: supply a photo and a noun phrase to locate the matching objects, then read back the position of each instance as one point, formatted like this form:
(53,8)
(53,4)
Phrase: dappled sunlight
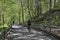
(29,19)
(16,26)
(23,34)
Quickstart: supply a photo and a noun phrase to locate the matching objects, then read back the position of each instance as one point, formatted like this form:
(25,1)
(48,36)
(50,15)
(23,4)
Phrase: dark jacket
(29,22)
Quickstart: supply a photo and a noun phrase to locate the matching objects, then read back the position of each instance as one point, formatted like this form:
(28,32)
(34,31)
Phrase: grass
(2,28)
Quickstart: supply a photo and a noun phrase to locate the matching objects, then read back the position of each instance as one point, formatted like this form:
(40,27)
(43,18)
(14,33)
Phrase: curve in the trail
(21,33)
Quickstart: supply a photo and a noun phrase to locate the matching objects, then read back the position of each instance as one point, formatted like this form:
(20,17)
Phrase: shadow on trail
(18,32)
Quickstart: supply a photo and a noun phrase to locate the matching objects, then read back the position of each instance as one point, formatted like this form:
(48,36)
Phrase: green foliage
(18,10)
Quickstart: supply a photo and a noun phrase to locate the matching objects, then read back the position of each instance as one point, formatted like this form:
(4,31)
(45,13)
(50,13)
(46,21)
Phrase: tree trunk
(50,4)
(54,3)
(28,6)
(19,17)
(22,13)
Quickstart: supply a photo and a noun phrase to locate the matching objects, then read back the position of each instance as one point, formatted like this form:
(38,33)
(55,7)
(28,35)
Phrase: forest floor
(21,33)
(56,31)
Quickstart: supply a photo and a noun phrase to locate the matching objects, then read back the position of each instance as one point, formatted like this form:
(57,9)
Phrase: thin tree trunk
(19,17)
(40,9)
(54,3)
(22,12)
(28,6)
(50,11)
(50,4)
(3,19)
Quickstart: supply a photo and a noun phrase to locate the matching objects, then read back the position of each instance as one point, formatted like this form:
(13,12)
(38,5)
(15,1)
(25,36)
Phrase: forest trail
(21,33)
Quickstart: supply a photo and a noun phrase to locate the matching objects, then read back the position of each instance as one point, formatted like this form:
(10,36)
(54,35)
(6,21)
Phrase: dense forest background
(22,10)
